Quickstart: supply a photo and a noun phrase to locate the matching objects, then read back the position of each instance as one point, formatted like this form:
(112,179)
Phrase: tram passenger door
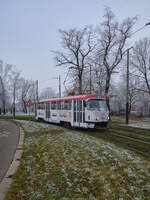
(47,110)
(78,112)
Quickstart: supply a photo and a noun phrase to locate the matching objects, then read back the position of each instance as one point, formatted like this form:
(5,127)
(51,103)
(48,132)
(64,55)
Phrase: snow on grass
(31,126)
(66,164)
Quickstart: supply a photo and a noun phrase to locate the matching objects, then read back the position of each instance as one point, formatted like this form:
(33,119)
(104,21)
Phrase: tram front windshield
(97,105)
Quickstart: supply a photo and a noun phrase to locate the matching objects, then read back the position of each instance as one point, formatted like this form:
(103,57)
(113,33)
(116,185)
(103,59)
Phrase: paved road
(9,137)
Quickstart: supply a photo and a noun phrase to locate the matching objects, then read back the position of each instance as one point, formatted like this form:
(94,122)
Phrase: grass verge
(19,117)
(58,163)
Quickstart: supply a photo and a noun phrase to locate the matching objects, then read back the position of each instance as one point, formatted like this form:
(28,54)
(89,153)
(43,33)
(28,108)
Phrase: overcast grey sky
(29,30)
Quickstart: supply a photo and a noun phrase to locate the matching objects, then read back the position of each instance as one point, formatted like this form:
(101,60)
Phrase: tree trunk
(107,90)
(3,97)
(80,83)
(24,106)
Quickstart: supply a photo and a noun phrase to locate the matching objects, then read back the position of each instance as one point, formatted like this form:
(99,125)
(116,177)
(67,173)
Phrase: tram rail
(130,138)
(132,143)
(123,139)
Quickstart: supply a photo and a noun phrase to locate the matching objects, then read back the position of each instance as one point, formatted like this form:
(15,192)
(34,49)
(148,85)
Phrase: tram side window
(62,105)
(59,105)
(79,105)
(67,105)
(41,106)
(48,105)
(70,105)
(74,104)
(53,105)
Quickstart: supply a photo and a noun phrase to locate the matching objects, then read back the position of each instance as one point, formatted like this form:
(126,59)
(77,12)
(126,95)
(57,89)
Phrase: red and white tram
(86,111)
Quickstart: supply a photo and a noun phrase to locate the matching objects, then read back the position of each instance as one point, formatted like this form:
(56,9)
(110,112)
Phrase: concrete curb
(8,178)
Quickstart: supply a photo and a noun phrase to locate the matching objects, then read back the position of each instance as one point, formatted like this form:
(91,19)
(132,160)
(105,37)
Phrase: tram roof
(76,97)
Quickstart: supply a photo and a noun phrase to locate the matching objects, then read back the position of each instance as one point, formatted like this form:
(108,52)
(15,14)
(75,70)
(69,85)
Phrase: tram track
(137,142)
(130,138)
(132,146)
(133,143)
(133,133)
(138,151)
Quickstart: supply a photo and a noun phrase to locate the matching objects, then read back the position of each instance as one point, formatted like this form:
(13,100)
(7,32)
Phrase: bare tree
(15,86)
(133,94)
(78,46)
(27,90)
(112,43)
(118,94)
(141,63)
(117,97)
(5,73)
(98,75)
(47,93)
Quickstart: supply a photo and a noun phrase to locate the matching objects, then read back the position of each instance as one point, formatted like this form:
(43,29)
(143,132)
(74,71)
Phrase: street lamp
(127,80)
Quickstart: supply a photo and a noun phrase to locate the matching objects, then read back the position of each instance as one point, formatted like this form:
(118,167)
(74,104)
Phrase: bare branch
(78,46)
(113,38)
